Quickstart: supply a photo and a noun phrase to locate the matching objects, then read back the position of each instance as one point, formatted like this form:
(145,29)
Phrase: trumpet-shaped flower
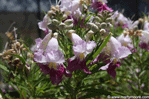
(116,51)
(125,40)
(100,6)
(50,60)
(43,25)
(146,26)
(71,5)
(144,39)
(81,49)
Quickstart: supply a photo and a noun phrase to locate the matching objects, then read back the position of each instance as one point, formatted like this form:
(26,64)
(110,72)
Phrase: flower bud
(57,6)
(68,22)
(109,25)
(141,20)
(55,22)
(69,26)
(97,19)
(62,26)
(50,13)
(103,25)
(53,8)
(109,20)
(102,31)
(69,33)
(98,24)
(99,15)
(52,27)
(89,35)
(55,35)
(64,16)
(135,27)
(92,26)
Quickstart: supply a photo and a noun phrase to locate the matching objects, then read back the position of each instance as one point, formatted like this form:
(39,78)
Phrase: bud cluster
(59,19)
(101,23)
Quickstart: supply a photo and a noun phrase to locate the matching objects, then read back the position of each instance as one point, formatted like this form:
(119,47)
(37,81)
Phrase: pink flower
(99,6)
(81,49)
(116,51)
(43,25)
(144,40)
(50,59)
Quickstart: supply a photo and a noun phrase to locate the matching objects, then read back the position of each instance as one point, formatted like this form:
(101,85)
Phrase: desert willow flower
(100,5)
(144,40)
(111,55)
(81,49)
(50,59)
(116,52)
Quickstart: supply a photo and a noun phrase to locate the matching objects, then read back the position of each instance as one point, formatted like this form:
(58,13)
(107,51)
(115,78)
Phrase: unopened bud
(89,35)
(62,26)
(71,31)
(68,21)
(97,19)
(55,35)
(99,15)
(53,8)
(109,25)
(92,26)
(57,6)
(109,20)
(103,25)
(55,22)
(50,13)
(69,26)
(64,16)
(98,24)
(135,27)
(102,31)
(52,27)
(140,20)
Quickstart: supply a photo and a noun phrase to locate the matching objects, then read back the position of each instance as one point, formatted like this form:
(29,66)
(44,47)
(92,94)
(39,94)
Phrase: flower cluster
(63,22)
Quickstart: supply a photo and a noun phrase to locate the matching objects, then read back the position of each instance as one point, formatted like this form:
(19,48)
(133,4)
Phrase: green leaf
(142,73)
(4,68)
(87,19)
(92,92)
(100,48)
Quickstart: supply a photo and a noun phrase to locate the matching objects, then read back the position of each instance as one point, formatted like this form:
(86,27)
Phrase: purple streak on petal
(100,7)
(144,45)
(76,64)
(46,31)
(56,75)
(111,69)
